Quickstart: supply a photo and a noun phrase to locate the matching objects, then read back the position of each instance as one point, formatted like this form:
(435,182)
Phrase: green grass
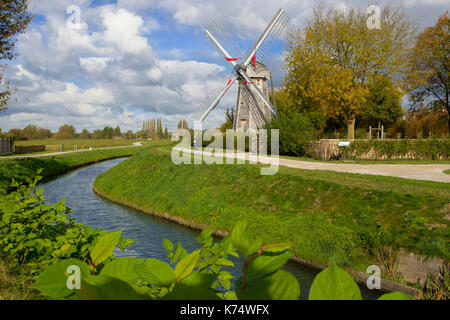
(14,285)
(21,169)
(327,215)
(359,161)
(352,161)
(447,171)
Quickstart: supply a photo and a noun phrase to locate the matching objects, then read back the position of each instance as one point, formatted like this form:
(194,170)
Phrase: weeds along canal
(148,232)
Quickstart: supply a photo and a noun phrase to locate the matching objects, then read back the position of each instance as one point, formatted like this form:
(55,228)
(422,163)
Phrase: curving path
(429,172)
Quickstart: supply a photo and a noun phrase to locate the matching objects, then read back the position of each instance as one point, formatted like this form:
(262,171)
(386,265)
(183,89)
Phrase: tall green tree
(429,74)
(332,60)
(14,19)
(117,132)
(107,133)
(383,103)
(66,131)
(85,134)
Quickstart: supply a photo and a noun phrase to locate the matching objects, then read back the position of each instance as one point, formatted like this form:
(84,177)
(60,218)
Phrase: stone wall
(326,149)
(415,268)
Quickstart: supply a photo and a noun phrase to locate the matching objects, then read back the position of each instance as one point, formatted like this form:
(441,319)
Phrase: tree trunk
(351,129)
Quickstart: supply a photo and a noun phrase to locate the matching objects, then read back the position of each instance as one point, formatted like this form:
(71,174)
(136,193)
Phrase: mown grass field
(21,169)
(327,215)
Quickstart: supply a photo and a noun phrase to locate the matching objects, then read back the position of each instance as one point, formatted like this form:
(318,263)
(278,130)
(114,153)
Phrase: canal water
(148,232)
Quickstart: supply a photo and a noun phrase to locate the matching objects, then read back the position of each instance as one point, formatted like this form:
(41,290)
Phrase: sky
(125,61)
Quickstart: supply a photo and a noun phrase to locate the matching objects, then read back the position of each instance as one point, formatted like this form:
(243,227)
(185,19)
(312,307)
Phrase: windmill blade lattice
(251,101)
(272,38)
(208,102)
(225,40)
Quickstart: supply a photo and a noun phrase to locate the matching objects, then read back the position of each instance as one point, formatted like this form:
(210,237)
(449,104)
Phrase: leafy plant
(196,275)
(36,235)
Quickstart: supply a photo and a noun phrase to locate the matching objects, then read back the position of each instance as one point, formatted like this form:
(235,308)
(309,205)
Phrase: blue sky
(131,60)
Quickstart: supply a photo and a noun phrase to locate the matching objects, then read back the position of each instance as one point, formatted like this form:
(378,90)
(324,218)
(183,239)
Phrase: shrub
(402,149)
(296,132)
(36,235)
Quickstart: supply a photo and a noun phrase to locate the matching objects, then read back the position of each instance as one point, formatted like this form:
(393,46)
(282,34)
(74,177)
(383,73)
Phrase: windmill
(253,108)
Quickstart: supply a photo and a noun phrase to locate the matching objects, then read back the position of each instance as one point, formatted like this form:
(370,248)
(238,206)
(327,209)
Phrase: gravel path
(430,172)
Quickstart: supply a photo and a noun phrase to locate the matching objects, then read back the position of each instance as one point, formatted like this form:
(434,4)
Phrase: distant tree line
(66,131)
(153,129)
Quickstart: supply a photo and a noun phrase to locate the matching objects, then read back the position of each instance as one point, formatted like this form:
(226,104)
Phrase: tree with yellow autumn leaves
(332,61)
(428,79)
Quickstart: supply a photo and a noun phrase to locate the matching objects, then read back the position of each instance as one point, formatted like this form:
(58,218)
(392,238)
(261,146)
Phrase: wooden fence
(6,146)
(29,149)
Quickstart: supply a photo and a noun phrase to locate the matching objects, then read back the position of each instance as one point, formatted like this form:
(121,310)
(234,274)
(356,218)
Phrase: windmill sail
(274,34)
(226,41)
(213,99)
(253,104)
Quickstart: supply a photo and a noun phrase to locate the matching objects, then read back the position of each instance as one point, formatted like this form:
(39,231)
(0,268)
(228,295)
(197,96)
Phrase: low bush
(36,235)
(296,132)
(423,149)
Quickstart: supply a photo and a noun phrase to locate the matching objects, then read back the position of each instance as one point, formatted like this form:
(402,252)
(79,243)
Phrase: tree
(107,133)
(66,131)
(17,134)
(117,132)
(14,19)
(183,124)
(85,134)
(333,59)
(383,103)
(229,120)
(97,134)
(30,131)
(166,133)
(428,78)
(129,135)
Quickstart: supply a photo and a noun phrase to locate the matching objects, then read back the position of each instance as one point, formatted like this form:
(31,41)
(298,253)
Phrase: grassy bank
(14,285)
(343,217)
(21,169)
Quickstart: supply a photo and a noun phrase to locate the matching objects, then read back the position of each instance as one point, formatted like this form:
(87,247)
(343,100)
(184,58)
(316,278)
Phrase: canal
(148,232)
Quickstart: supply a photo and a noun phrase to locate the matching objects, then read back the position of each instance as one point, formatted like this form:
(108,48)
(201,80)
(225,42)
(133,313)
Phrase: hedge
(419,149)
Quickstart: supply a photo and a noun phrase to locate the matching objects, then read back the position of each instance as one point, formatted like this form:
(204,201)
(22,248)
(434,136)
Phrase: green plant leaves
(280,285)
(334,283)
(395,296)
(277,247)
(186,265)
(122,268)
(104,247)
(267,263)
(157,272)
(242,240)
(182,292)
(52,282)
(106,288)
(196,279)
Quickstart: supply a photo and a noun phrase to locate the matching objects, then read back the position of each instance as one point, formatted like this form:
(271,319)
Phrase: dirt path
(430,172)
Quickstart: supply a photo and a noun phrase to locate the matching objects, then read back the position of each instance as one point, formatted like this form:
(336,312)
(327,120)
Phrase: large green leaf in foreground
(334,283)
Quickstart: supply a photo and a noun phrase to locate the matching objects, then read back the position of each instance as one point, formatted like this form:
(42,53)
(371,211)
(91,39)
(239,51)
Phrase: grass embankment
(14,285)
(327,215)
(21,169)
